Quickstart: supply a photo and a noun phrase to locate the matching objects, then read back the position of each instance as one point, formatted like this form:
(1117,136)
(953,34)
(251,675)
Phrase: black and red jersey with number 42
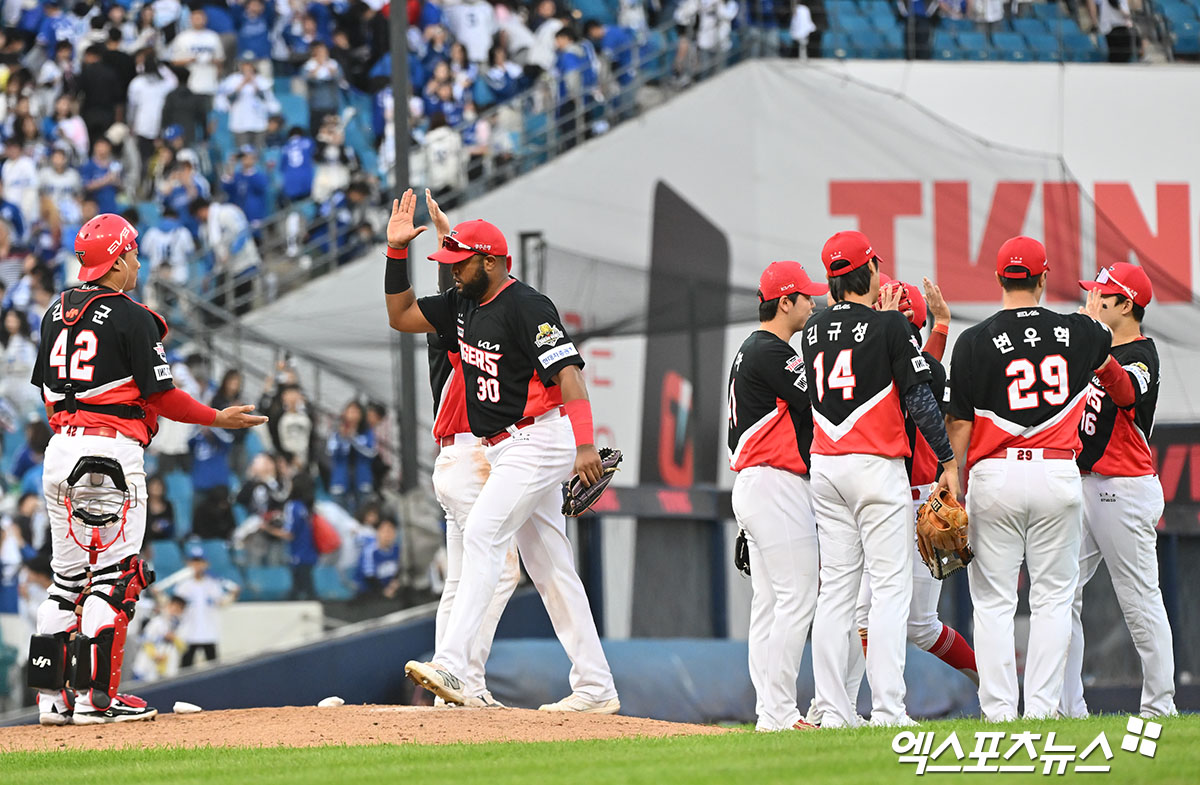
(770,420)
(860,364)
(511,346)
(1116,439)
(1022,375)
(109,349)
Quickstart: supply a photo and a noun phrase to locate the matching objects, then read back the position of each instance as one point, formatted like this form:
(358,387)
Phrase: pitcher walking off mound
(527,401)
(861,364)
(1122,498)
(1017,386)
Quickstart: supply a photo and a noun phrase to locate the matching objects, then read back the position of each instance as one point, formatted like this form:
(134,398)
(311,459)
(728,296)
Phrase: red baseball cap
(782,278)
(1125,279)
(917,303)
(1021,257)
(845,252)
(470,238)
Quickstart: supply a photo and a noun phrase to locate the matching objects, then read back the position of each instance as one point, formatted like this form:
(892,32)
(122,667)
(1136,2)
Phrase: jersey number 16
(87,345)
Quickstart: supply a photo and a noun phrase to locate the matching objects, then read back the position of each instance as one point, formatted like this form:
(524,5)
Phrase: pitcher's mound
(303,726)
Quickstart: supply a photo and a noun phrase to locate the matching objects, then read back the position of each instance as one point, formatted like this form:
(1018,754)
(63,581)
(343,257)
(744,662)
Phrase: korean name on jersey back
(1021,375)
(860,363)
(770,418)
(512,347)
(1115,440)
(107,349)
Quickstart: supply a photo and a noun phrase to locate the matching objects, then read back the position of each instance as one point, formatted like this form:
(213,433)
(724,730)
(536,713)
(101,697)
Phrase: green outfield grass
(854,756)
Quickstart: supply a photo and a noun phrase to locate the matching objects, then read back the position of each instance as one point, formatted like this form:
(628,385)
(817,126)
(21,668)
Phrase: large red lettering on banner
(960,274)
(876,204)
(1121,227)
(1060,214)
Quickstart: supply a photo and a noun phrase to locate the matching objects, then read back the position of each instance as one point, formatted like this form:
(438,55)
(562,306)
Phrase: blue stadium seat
(149,213)
(974,46)
(180,493)
(893,42)
(331,585)
(883,17)
(1028,26)
(1048,11)
(944,46)
(1185,36)
(267,584)
(1174,8)
(167,557)
(866,44)
(220,561)
(1080,48)
(1044,47)
(1010,46)
(958,26)
(855,24)
(600,10)
(295,111)
(835,45)
(837,9)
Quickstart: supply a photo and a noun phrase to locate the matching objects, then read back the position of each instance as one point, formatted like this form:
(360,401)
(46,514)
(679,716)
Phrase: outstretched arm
(404,314)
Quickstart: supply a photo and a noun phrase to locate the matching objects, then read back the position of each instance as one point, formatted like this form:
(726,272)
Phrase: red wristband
(397,253)
(580,412)
(944,329)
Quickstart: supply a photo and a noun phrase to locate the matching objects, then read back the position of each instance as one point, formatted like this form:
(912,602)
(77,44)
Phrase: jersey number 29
(1053,370)
(87,344)
(841,375)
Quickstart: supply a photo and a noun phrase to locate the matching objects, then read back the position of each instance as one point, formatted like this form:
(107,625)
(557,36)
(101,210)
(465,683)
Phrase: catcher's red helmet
(100,242)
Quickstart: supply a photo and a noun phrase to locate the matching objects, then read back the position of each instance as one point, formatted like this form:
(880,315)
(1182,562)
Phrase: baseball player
(861,365)
(527,401)
(925,629)
(105,380)
(770,430)
(459,473)
(1122,497)
(1018,381)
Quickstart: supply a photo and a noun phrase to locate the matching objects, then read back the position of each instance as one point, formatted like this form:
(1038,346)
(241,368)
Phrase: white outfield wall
(937,162)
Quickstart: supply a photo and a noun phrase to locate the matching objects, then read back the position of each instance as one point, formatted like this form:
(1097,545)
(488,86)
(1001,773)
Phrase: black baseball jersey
(108,348)
(860,364)
(1115,439)
(770,419)
(511,348)
(923,465)
(1021,375)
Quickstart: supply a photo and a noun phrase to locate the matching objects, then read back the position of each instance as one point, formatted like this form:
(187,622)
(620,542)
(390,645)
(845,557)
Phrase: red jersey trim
(770,442)
(507,284)
(452,409)
(539,398)
(1127,453)
(874,428)
(992,432)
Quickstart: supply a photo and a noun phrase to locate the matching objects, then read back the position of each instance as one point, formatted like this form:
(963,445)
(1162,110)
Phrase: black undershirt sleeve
(923,408)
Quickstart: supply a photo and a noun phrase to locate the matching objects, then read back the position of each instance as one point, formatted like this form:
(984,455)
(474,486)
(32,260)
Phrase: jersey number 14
(841,375)
(87,344)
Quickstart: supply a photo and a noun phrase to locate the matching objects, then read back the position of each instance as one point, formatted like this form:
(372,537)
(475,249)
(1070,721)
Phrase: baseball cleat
(436,679)
(55,718)
(484,700)
(903,722)
(124,708)
(802,725)
(578,703)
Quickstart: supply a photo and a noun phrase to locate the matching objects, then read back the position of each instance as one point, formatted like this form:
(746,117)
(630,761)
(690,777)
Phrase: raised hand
(937,303)
(400,229)
(440,222)
(1092,307)
(889,297)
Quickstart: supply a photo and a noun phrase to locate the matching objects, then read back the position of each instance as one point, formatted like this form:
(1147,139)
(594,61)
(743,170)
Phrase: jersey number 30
(841,375)
(87,344)
(1053,370)
(489,389)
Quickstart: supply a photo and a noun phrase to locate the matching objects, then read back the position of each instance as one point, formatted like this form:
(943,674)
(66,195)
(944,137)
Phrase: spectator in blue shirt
(55,26)
(254,31)
(446,102)
(101,176)
(184,187)
(379,562)
(11,214)
(503,77)
(351,451)
(296,165)
(212,514)
(298,529)
(247,187)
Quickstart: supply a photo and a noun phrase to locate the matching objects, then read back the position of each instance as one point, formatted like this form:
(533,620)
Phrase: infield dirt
(303,726)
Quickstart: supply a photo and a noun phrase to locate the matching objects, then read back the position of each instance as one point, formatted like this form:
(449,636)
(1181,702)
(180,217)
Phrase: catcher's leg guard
(100,646)
(48,661)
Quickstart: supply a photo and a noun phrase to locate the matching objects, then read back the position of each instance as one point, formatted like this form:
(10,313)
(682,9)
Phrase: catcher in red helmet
(104,377)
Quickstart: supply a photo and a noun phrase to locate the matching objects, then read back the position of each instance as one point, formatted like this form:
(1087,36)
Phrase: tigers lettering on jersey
(860,363)
(106,348)
(1021,375)
(512,348)
(1115,439)
(770,419)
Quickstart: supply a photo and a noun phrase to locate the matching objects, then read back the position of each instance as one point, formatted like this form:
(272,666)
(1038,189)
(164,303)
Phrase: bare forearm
(570,381)
(959,432)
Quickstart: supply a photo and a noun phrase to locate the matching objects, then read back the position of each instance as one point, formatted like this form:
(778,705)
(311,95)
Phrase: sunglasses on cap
(1107,277)
(452,244)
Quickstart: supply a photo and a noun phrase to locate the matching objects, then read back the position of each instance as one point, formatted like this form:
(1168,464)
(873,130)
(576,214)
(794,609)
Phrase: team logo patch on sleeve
(920,363)
(1142,373)
(162,372)
(793,364)
(160,351)
(547,335)
(558,353)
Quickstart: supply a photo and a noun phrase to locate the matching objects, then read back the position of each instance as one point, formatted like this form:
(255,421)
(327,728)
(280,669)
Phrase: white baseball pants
(70,562)
(1023,511)
(864,519)
(1119,519)
(459,473)
(774,507)
(521,497)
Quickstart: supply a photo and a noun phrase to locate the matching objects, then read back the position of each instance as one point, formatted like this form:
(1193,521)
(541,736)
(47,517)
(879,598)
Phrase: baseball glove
(942,534)
(741,553)
(578,499)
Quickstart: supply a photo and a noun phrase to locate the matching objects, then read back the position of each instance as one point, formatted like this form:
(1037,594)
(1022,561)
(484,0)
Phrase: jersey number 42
(87,344)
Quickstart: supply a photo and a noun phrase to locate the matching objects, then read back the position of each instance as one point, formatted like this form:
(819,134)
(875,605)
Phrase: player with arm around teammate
(104,377)
(861,363)
(770,430)
(1018,381)
(527,401)
(1122,497)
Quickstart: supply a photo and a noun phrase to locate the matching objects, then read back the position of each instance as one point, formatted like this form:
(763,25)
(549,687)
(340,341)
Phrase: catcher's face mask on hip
(97,499)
